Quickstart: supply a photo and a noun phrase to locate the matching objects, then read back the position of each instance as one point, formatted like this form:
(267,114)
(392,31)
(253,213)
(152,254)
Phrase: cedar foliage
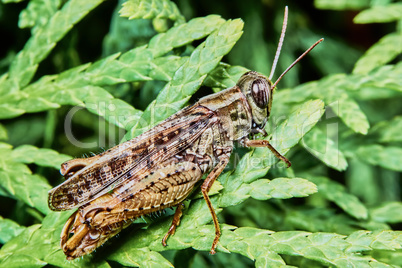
(336,115)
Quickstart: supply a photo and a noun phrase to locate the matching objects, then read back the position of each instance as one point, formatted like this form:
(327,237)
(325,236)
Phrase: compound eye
(260,91)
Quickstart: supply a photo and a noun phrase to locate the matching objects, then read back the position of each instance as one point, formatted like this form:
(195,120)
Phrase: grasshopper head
(258,91)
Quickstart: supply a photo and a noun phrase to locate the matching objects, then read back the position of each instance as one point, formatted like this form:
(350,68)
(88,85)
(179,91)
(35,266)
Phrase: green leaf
(360,173)
(113,110)
(386,77)
(383,78)
(341,4)
(184,34)
(9,229)
(337,193)
(299,123)
(215,189)
(38,13)
(224,76)
(362,241)
(189,77)
(141,257)
(28,154)
(324,148)
(318,219)
(270,259)
(17,179)
(388,13)
(387,157)
(164,68)
(384,51)
(9,111)
(389,131)
(151,9)
(387,212)
(3,132)
(76,86)
(349,111)
(5,148)
(20,260)
(282,188)
(326,248)
(11,1)
(335,96)
(298,94)
(42,42)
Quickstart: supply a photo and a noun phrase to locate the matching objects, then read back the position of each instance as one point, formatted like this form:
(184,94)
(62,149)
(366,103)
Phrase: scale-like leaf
(224,76)
(38,13)
(189,77)
(342,4)
(141,257)
(324,148)
(389,131)
(163,68)
(349,111)
(387,212)
(385,77)
(43,157)
(337,193)
(384,51)
(327,248)
(270,259)
(42,42)
(9,229)
(387,157)
(82,85)
(380,13)
(3,132)
(17,179)
(361,241)
(184,34)
(281,188)
(332,89)
(151,9)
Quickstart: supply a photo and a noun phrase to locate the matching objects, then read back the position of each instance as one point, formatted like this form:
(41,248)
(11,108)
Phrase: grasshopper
(160,168)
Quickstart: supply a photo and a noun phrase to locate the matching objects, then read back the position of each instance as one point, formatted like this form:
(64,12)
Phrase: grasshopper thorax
(258,91)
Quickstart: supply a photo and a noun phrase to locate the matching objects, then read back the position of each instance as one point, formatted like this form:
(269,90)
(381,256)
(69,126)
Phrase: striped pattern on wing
(132,159)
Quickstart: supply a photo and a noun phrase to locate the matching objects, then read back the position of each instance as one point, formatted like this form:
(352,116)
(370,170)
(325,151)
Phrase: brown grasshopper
(160,168)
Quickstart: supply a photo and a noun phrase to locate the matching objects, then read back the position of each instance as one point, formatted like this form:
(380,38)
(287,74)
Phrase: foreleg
(264,143)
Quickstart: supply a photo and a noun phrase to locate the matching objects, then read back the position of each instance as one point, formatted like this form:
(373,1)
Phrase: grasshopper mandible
(160,168)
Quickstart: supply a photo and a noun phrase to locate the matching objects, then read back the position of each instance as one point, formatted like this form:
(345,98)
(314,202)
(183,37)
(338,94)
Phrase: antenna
(281,38)
(296,61)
